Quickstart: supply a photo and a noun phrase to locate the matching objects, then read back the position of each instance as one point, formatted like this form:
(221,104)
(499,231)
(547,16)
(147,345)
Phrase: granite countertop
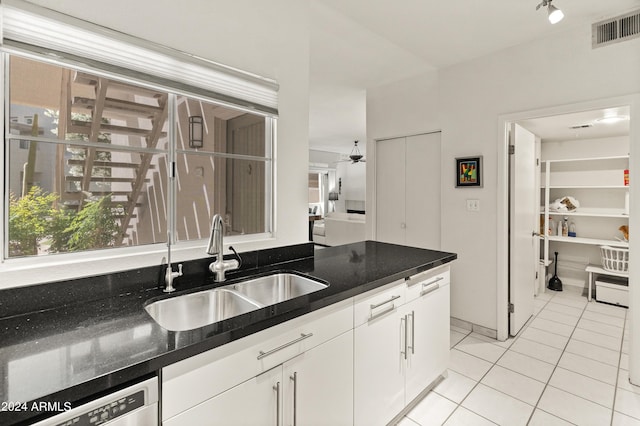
(69,353)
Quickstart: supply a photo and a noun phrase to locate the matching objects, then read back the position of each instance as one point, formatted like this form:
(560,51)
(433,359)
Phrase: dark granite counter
(71,352)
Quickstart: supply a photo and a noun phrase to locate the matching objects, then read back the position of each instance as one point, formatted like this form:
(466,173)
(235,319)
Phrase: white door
(319,385)
(428,352)
(379,369)
(523,218)
(256,402)
(390,191)
(423,191)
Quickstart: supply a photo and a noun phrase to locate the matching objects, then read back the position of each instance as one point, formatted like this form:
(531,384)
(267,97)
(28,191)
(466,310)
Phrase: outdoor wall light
(195,132)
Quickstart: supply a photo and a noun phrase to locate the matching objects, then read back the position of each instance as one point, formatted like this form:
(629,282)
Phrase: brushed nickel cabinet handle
(277,389)
(413,332)
(404,352)
(377,305)
(294,379)
(429,289)
(303,336)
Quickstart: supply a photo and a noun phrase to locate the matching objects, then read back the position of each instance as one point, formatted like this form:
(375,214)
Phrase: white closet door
(390,191)
(423,191)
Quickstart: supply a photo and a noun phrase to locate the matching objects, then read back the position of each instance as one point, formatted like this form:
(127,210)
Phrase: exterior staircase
(116,115)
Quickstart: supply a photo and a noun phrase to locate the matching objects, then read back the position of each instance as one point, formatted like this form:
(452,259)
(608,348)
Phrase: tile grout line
(555,367)
(615,389)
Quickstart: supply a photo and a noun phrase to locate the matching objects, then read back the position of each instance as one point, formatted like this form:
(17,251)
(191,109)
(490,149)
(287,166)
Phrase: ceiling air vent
(615,30)
(581,126)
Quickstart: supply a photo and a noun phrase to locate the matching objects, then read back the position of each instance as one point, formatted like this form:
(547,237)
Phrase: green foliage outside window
(37,224)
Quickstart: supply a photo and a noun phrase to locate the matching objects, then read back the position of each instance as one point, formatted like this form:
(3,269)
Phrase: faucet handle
(179,270)
(237,256)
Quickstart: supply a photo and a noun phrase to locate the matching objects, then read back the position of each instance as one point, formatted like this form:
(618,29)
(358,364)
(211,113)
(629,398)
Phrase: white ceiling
(558,128)
(359,44)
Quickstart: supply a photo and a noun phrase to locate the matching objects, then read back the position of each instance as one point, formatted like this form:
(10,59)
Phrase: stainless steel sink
(194,310)
(199,309)
(276,288)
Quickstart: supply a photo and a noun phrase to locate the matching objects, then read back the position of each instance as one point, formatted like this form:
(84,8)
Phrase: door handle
(406,329)
(294,379)
(277,389)
(413,331)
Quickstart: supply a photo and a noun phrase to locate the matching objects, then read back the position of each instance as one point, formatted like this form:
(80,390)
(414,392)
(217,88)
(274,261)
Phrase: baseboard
(466,325)
(406,410)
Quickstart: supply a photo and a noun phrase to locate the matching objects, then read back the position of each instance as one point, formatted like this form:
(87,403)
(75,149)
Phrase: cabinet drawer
(379,302)
(427,281)
(194,380)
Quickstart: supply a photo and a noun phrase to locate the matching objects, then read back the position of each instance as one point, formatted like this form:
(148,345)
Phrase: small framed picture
(469,172)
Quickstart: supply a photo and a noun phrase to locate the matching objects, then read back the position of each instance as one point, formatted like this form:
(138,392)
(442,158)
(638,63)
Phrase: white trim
(633,101)
(29,27)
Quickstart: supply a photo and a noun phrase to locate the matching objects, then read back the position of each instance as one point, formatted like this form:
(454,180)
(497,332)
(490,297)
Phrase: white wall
(252,36)
(472,96)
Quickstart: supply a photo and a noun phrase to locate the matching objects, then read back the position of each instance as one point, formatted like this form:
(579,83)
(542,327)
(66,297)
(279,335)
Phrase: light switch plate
(473,205)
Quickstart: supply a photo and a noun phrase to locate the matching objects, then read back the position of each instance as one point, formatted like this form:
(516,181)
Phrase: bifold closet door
(408,191)
(390,191)
(422,191)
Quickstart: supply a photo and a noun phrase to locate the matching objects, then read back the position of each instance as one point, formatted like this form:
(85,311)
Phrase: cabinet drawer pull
(381,313)
(432,282)
(377,305)
(279,348)
(429,289)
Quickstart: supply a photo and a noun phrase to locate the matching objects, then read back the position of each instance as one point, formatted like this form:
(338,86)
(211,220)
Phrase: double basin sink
(194,310)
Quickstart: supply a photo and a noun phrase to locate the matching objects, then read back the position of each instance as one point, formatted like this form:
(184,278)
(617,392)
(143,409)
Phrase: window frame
(20,271)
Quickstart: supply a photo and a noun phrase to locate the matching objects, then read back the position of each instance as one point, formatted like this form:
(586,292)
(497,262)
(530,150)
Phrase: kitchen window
(101,156)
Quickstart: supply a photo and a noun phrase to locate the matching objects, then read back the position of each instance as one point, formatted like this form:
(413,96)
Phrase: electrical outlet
(473,205)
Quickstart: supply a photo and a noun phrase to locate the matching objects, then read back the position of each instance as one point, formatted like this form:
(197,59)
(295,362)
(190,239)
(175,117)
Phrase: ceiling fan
(355,156)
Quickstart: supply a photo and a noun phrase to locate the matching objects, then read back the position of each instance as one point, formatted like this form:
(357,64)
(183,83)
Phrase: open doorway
(585,147)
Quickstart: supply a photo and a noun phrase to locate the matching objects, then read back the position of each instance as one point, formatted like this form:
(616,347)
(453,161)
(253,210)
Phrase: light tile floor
(567,366)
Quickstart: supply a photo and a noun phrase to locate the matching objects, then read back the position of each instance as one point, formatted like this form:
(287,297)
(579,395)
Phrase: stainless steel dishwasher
(136,405)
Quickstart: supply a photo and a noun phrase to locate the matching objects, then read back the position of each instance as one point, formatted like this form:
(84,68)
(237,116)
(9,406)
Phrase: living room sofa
(339,228)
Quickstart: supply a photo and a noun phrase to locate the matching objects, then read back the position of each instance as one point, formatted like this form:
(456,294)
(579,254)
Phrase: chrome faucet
(215,248)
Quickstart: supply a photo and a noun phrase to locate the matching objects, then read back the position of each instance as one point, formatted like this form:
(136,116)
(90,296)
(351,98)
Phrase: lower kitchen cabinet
(402,349)
(318,385)
(428,348)
(254,402)
(379,369)
(314,388)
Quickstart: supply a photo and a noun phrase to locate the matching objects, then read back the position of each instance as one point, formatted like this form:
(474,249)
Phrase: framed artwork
(469,172)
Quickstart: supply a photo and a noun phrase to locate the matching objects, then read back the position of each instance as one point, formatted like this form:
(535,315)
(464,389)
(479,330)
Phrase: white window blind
(27,27)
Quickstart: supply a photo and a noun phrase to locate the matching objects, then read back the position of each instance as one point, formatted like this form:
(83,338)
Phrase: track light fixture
(555,14)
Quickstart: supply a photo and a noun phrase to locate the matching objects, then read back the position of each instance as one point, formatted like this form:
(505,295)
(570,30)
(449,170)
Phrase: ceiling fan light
(555,14)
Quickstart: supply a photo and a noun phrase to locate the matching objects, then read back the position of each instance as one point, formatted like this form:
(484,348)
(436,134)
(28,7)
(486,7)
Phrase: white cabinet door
(390,197)
(318,385)
(252,403)
(379,369)
(428,321)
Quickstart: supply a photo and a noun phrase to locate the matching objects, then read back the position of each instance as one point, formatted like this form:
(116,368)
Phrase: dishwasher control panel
(107,412)
(133,405)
